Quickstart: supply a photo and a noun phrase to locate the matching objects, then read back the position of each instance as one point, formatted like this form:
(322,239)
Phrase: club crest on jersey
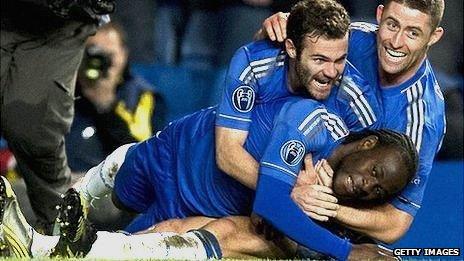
(243,98)
(292,152)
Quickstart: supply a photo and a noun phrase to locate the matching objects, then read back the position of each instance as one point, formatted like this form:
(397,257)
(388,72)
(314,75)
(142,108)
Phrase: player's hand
(311,195)
(308,174)
(316,201)
(371,252)
(274,27)
(324,173)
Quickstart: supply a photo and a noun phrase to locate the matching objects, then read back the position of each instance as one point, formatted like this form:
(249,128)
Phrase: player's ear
(290,48)
(379,12)
(368,142)
(436,36)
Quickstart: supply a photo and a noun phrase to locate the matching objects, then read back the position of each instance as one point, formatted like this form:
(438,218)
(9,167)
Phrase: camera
(75,8)
(96,63)
(100,6)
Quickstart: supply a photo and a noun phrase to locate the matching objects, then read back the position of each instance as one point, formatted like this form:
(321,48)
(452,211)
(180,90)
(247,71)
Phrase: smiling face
(404,36)
(370,175)
(318,65)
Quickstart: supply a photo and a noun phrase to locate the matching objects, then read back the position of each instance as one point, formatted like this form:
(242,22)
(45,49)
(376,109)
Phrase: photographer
(42,43)
(114,107)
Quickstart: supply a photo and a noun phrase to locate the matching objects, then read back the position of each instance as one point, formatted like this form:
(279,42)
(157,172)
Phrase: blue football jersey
(415,107)
(303,126)
(174,174)
(258,74)
(356,101)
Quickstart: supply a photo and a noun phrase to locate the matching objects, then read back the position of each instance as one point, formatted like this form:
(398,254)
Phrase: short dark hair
(325,18)
(398,141)
(434,8)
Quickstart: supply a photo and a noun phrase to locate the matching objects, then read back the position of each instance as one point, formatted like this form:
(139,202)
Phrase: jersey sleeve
(358,102)
(239,96)
(428,142)
(297,131)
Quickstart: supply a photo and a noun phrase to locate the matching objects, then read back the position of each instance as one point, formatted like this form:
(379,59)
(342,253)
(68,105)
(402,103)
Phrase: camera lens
(96,63)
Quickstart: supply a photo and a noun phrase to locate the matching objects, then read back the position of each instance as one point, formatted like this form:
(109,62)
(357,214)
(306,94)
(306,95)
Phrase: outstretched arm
(385,223)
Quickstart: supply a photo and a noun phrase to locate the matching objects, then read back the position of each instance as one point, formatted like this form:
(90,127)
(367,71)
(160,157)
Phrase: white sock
(99,180)
(166,245)
(42,245)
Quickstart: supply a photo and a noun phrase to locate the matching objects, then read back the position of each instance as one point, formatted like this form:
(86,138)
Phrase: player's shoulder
(297,107)
(426,86)
(308,115)
(424,98)
(363,32)
(259,51)
(432,95)
(354,82)
(363,28)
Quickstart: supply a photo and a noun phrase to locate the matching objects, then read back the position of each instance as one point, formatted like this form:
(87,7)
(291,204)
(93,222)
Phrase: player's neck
(388,80)
(292,78)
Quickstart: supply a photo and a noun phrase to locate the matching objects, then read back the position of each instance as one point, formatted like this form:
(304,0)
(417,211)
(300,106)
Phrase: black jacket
(36,18)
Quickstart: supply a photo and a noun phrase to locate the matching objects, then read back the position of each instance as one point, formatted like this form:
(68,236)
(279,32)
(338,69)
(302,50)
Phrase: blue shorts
(147,184)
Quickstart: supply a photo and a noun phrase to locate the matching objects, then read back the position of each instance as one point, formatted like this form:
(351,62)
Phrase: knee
(117,156)
(228,225)
(114,161)
(171,225)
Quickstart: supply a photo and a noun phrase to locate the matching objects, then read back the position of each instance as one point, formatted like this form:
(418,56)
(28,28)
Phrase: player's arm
(385,223)
(299,129)
(274,204)
(233,159)
(279,167)
(233,120)
(274,27)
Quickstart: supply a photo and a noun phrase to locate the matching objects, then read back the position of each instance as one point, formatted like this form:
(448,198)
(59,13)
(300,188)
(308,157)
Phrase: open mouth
(322,84)
(394,56)
(349,185)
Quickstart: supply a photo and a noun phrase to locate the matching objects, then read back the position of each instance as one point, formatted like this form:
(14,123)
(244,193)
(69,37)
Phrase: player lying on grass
(392,154)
